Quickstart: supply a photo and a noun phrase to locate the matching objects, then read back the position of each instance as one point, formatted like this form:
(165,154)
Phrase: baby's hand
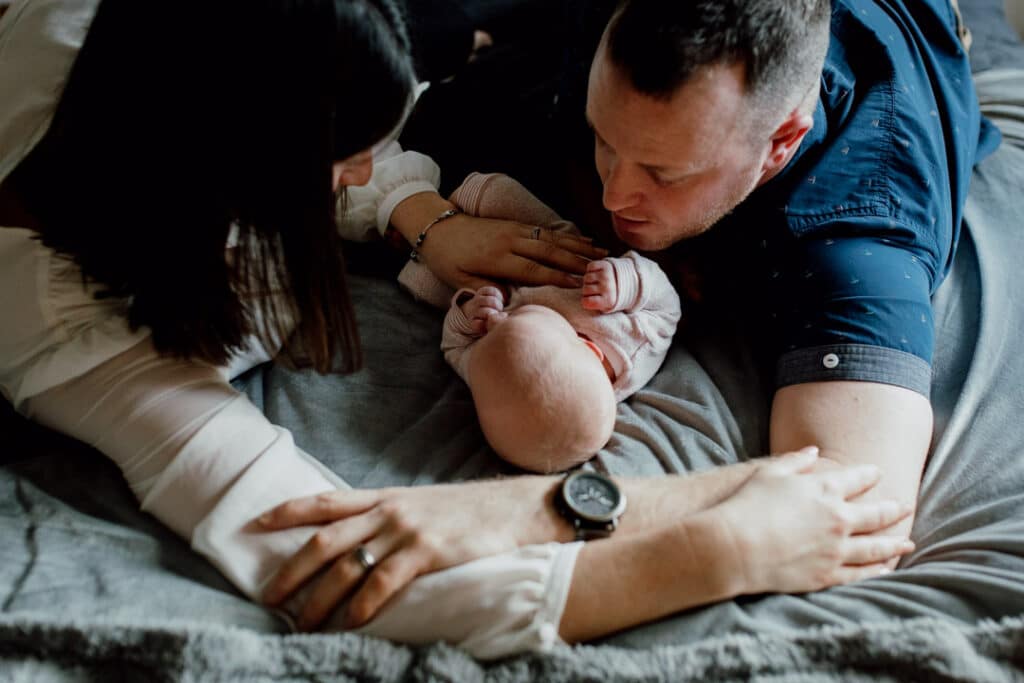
(485,309)
(600,288)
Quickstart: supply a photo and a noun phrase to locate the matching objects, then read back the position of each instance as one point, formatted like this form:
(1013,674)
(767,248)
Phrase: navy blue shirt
(846,246)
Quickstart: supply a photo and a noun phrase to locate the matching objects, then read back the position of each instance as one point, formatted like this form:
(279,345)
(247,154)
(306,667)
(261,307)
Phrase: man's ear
(784,142)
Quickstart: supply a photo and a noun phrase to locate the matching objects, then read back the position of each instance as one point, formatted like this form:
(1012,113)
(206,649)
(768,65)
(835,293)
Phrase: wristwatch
(591,502)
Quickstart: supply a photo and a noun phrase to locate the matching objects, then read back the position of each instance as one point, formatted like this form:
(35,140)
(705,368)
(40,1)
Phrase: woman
(175,223)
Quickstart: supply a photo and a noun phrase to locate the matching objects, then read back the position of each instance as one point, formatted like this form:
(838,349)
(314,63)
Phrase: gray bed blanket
(92,589)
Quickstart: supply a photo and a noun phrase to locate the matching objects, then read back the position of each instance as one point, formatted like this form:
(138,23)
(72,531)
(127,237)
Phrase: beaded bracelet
(415,254)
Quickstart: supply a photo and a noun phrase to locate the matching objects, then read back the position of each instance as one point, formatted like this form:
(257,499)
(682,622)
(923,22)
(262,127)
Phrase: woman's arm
(464,251)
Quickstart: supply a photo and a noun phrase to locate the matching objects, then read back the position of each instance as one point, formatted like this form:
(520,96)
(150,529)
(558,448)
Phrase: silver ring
(536,234)
(364,557)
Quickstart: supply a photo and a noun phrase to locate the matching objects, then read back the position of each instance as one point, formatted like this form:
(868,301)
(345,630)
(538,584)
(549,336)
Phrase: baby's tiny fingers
(489,291)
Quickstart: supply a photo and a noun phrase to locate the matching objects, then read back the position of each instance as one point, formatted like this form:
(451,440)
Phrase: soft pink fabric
(635,336)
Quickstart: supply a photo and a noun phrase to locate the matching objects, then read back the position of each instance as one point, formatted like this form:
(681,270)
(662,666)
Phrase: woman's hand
(795,531)
(466,251)
(408,531)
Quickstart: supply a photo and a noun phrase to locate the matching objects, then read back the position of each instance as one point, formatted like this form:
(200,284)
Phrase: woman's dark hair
(179,127)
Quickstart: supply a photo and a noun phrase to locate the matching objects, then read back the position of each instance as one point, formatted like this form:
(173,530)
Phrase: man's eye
(666,181)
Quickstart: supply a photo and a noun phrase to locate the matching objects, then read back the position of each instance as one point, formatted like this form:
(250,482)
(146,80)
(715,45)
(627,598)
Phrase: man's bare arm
(855,423)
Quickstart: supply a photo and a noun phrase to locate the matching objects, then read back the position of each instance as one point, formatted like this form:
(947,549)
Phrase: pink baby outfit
(634,336)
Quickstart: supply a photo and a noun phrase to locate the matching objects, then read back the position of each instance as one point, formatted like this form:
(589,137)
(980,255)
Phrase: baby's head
(543,397)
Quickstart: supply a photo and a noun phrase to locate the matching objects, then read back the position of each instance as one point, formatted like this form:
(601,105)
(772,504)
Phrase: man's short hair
(660,44)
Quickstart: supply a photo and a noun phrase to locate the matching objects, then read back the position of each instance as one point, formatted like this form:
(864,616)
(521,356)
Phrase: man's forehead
(685,130)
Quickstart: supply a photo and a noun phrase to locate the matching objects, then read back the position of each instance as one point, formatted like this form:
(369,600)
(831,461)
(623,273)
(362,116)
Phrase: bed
(94,590)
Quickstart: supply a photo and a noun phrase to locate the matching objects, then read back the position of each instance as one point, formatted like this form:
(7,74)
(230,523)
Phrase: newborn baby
(547,368)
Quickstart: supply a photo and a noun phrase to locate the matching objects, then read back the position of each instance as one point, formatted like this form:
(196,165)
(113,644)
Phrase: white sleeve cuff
(397,175)
(492,607)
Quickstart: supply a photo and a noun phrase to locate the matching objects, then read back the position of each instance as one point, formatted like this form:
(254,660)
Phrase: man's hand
(793,529)
(858,423)
(600,288)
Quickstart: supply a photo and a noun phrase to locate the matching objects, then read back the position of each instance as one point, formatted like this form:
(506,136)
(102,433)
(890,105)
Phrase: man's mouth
(623,224)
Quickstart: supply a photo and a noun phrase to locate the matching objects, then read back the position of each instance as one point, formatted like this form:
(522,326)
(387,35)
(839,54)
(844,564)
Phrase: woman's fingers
(566,254)
(531,272)
(393,574)
(337,583)
(575,243)
(869,517)
(866,550)
(324,507)
(327,544)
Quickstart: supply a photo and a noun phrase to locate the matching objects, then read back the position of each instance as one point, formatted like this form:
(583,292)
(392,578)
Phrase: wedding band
(364,557)
(536,234)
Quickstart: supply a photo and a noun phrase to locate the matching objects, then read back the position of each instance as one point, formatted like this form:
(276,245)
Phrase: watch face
(593,497)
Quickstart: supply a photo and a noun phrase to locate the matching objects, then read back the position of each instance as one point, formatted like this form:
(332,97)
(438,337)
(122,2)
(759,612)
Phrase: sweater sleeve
(206,462)
(365,211)
(648,298)
(457,336)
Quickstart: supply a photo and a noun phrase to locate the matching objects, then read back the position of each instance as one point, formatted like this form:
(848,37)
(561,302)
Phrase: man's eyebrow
(677,172)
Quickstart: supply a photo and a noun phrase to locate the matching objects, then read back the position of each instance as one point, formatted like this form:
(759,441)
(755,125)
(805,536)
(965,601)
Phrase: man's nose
(621,189)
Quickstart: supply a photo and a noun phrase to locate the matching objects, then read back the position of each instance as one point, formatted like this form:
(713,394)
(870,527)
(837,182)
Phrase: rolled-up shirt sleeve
(853,308)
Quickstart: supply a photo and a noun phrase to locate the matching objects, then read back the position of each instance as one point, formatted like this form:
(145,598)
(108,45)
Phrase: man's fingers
(852,481)
(323,507)
(866,550)
(795,461)
(869,517)
(327,544)
(854,573)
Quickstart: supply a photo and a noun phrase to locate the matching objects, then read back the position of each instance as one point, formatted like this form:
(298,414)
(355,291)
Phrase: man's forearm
(625,581)
(653,503)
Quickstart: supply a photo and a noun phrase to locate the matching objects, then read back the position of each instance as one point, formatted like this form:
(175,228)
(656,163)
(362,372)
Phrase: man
(831,151)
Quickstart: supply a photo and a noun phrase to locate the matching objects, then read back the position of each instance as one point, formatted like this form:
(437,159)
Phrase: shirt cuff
(854,362)
(396,197)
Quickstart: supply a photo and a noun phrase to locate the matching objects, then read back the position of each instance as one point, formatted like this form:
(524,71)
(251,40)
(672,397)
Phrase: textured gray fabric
(92,589)
(920,650)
